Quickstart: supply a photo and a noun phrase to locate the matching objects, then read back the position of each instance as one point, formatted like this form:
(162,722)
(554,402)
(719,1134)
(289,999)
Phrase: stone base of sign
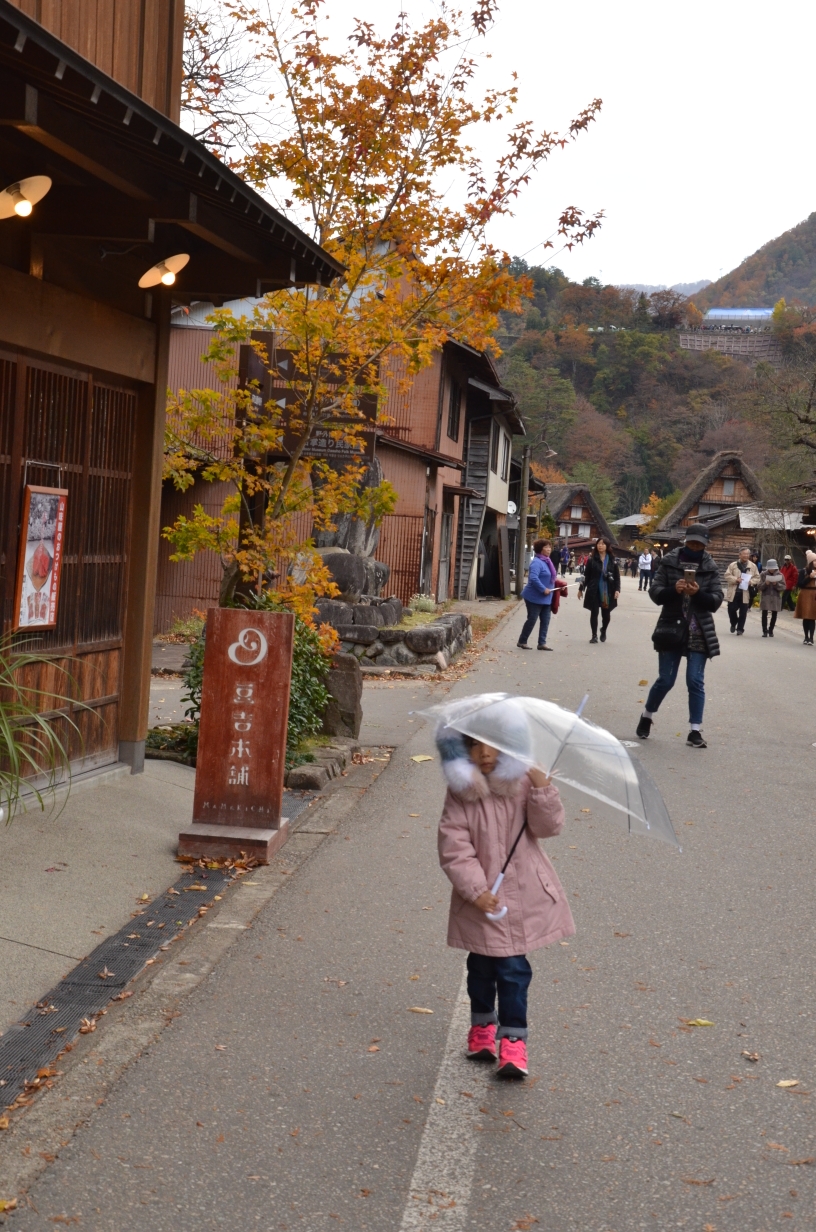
(202,842)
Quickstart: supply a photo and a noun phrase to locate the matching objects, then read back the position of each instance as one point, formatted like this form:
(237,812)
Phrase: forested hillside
(601,380)
(785,268)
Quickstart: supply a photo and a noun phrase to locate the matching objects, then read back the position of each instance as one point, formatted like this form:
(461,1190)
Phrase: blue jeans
(510,977)
(536,611)
(668,667)
(645,579)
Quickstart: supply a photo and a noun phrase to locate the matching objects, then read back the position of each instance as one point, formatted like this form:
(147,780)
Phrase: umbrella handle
(502,912)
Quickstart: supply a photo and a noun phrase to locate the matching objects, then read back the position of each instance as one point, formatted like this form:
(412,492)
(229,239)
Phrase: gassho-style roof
(703,482)
(559,495)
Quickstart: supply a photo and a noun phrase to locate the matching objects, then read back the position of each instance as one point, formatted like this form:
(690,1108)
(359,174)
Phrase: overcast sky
(704,149)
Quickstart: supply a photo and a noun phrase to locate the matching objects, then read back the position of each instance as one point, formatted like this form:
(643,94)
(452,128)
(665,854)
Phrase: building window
(454,410)
(728,487)
(565,530)
(505,465)
(583,530)
(494,449)
(576,513)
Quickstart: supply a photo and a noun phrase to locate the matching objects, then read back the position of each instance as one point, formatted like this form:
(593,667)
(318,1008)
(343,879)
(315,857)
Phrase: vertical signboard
(241,755)
(39,564)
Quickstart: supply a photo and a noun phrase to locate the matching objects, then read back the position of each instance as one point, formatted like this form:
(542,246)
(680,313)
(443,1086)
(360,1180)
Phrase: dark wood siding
(67,426)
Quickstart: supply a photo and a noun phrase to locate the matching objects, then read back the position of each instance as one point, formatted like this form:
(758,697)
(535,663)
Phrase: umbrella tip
(583,702)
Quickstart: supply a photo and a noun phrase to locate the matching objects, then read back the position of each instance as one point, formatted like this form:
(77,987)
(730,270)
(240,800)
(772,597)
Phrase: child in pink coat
(490,794)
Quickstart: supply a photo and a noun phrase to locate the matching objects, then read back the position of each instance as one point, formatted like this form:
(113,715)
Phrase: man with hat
(741,577)
(791,575)
(688,590)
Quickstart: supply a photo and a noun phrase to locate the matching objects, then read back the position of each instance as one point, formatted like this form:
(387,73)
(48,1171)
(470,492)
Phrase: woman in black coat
(600,587)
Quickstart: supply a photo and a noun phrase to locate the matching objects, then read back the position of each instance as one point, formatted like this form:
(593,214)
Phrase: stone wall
(370,631)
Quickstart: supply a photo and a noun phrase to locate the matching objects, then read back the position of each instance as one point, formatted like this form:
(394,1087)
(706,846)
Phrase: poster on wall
(40,560)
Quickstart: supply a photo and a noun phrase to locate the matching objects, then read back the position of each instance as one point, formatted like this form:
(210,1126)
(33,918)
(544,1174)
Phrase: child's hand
(486,901)
(538,778)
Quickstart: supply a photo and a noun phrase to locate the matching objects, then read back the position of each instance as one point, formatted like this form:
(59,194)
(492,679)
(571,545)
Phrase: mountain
(784,268)
(683,288)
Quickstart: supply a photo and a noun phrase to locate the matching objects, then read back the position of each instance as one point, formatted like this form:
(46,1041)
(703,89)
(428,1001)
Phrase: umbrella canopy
(569,748)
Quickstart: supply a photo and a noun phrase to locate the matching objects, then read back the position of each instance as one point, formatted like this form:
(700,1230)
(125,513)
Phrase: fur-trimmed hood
(464,777)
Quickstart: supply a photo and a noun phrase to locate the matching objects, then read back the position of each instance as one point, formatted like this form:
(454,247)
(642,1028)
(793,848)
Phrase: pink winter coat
(474,839)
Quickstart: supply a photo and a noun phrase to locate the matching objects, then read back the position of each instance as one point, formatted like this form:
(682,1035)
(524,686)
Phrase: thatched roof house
(726,483)
(577,517)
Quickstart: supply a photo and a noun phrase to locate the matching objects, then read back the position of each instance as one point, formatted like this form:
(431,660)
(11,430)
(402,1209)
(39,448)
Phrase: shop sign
(39,564)
(244,715)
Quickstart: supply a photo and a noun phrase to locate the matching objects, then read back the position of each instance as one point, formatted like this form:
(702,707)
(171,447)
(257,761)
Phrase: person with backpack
(791,575)
(688,590)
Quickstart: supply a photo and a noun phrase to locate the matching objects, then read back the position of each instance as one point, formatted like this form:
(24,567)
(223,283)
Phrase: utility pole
(524,505)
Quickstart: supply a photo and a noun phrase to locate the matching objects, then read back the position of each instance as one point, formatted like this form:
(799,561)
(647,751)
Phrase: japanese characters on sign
(40,560)
(244,714)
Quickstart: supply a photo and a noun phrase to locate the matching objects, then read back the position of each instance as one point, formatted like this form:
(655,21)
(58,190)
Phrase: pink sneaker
(512,1058)
(481,1043)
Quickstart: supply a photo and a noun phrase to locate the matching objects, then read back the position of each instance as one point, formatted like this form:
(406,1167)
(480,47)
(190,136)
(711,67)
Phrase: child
(489,796)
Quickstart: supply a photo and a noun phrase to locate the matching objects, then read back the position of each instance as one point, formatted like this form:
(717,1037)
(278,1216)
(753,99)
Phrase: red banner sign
(40,559)
(244,716)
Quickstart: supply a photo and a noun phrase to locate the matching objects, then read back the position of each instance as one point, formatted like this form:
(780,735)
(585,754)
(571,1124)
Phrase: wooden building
(716,499)
(578,520)
(444,442)
(84,350)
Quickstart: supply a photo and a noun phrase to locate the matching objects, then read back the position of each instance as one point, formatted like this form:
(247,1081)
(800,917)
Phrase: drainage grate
(36,1041)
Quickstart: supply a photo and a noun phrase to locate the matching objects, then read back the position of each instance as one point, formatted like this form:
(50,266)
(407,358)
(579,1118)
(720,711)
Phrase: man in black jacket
(685,627)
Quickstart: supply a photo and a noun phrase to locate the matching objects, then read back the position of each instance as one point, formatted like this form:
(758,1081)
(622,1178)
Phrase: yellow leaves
(418,1009)
(4,1122)
(8,1204)
(788,1082)
(421,757)
(697,1022)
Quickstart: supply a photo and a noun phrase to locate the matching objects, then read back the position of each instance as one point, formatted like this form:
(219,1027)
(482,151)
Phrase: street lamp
(21,197)
(165,271)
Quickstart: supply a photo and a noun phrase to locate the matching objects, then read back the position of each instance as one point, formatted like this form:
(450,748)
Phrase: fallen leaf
(413,977)
(622,934)
(691,1180)
(364,1193)
(524,1223)
(374,1048)
(220,1047)
(608,1159)
(642,684)
(788,1082)
(421,757)
(418,1009)
(202,887)
(145,898)
(750,1056)
(414,814)
(4,1122)
(439,1101)
(697,1022)
(795,1163)
(586,810)
(88,1025)
(105,974)
(777,1146)
(8,1204)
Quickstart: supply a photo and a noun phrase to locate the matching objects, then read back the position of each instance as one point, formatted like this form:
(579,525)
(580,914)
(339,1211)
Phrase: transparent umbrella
(566,746)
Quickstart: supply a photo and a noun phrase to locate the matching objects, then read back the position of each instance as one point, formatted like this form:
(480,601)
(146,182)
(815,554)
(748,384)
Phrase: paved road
(298,1091)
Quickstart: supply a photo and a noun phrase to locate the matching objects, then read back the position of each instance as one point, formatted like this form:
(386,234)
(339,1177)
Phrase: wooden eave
(123,174)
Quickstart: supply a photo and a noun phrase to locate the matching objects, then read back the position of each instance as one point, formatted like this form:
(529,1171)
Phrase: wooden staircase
(471,511)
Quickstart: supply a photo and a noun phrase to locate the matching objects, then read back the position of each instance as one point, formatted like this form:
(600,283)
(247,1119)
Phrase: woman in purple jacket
(538,595)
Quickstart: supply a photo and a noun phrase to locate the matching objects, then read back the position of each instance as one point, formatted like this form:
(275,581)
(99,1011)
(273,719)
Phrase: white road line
(443,1176)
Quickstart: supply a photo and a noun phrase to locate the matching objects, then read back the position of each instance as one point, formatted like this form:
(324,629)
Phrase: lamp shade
(18,198)
(164,271)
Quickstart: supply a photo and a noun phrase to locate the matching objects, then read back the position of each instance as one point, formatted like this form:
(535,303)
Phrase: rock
(358,650)
(397,656)
(348,571)
(425,639)
(388,613)
(333,612)
(310,777)
(364,614)
(456,621)
(441,661)
(374,649)
(396,603)
(344,712)
(389,636)
(362,635)
(377,575)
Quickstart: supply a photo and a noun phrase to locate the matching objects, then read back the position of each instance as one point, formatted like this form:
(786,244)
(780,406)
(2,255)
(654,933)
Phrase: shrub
(422,603)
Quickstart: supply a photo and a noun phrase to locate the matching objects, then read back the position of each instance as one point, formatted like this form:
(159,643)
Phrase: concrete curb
(96,1061)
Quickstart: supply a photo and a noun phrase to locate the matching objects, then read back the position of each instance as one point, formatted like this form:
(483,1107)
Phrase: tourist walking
(688,590)
(493,801)
(740,576)
(806,603)
(645,569)
(563,557)
(600,587)
(771,590)
(791,575)
(538,595)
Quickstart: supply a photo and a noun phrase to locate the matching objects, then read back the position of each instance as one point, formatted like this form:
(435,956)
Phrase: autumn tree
(363,139)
